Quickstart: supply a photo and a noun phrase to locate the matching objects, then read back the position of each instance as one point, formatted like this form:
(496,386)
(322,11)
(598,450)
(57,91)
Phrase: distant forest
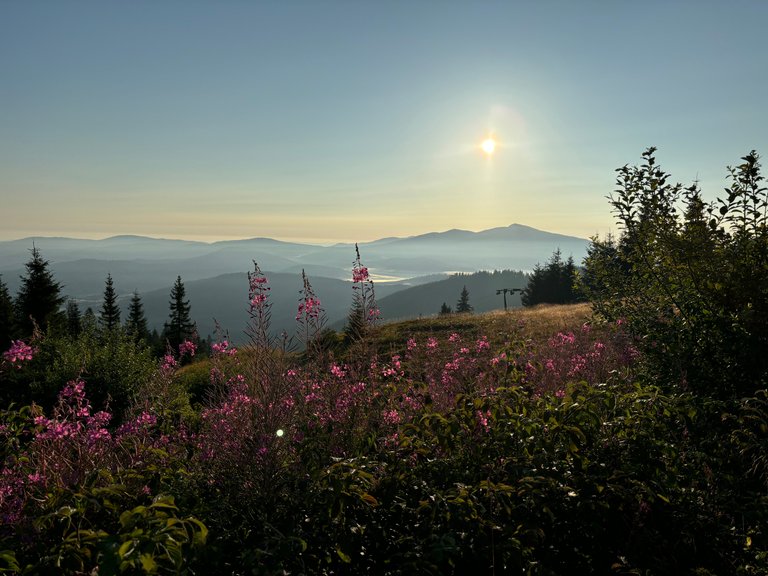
(426,299)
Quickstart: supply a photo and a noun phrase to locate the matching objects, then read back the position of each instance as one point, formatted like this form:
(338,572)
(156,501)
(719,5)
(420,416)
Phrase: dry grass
(500,327)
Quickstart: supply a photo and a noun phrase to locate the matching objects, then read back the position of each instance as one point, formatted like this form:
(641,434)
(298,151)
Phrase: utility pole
(505,291)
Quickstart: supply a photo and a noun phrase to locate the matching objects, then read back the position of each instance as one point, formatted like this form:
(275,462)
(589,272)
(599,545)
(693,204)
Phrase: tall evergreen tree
(180,326)
(39,298)
(136,324)
(110,311)
(6,316)
(463,304)
(74,319)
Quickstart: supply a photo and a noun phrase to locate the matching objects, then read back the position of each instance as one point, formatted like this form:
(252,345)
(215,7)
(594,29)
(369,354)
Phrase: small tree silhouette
(463,304)
(136,325)
(110,312)
(180,326)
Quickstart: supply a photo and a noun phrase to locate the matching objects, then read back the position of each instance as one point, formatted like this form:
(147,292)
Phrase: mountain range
(214,273)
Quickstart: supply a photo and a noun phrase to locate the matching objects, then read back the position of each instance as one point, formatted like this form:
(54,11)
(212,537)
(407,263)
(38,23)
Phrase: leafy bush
(113,365)
(690,277)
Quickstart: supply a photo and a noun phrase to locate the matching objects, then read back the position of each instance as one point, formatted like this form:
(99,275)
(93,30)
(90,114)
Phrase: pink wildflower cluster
(223,348)
(359,274)
(19,352)
(309,307)
(187,347)
(446,368)
(257,289)
(482,419)
(584,355)
(141,423)
(169,363)
(73,416)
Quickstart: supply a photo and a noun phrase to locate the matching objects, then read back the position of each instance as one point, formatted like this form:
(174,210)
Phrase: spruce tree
(136,324)
(179,326)
(110,311)
(463,304)
(39,298)
(6,316)
(74,319)
(445,309)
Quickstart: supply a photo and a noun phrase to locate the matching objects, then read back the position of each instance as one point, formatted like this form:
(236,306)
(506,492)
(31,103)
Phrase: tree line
(40,306)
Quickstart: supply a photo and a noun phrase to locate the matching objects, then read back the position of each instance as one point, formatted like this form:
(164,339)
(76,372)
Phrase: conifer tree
(463,304)
(6,316)
(88,322)
(39,298)
(180,326)
(74,319)
(136,324)
(445,309)
(110,311)
(554,283)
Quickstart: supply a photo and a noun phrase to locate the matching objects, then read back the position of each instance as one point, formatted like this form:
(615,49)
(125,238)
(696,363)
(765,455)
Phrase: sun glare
(488,146)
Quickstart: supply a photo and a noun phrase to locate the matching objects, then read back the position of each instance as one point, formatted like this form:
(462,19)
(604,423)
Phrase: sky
(339,120)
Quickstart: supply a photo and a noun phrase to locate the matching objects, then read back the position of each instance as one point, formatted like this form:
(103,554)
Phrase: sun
(488,146)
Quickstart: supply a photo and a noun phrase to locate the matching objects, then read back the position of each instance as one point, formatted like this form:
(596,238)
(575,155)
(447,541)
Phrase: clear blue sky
(351,120)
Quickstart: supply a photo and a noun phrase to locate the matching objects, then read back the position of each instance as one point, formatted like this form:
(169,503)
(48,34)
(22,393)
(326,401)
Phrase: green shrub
(691,278)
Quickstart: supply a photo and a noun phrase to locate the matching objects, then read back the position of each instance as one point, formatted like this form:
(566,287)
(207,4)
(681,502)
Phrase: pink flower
(36,478)
(169,363)
(391,417)
(19,351)
(482,419)
(482,344)
(360,274)
(257,282)
(258,300)
(224,349)
(187,347)
(310,307)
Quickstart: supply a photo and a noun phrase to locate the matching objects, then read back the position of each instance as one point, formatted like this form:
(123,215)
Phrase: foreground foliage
(536,443)
(691,277)
(451,457)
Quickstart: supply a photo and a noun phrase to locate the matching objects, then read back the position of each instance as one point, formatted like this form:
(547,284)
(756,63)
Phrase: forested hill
(426,299)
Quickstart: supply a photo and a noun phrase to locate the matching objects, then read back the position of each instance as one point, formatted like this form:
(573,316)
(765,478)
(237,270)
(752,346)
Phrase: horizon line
(325,242)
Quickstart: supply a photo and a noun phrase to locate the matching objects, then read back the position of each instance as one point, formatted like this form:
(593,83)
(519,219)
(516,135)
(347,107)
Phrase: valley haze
(214,274)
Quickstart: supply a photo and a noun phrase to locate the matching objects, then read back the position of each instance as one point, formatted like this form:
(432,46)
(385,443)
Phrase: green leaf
(148,564)
(344,558)
(125,548)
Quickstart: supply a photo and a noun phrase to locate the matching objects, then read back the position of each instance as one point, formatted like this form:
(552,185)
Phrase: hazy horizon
(327,122)
(290,240)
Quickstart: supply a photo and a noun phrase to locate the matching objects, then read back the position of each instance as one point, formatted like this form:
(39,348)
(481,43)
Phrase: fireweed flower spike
(310,316)
(364,310)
